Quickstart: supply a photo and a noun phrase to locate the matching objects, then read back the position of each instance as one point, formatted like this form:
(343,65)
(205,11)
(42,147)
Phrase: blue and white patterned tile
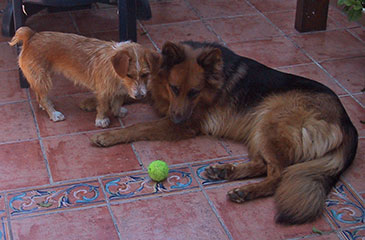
(125,187)
(353,234)
(55,198)
(344,208)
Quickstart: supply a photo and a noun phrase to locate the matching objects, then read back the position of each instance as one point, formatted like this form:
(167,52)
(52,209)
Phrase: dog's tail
(301,194)
(23,34)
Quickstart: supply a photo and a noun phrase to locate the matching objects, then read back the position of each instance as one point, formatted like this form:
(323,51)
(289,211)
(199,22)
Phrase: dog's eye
(174,89)
(193,93)
(144,75)
(130,76)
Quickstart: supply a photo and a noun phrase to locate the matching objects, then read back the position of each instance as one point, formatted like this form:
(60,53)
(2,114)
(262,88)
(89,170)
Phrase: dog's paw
(102,122)
(122,112)
(57,116)
(219,171)
(238,195)
(102,139)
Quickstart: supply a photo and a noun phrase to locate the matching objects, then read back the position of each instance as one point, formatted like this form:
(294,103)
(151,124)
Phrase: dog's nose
(139,96)
(177,118)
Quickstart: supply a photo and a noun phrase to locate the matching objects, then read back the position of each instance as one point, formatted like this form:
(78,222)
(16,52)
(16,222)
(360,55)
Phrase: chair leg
(127,20)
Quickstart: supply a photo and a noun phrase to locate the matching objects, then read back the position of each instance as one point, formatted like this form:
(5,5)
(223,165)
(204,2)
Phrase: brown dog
(111,70)
(297,131)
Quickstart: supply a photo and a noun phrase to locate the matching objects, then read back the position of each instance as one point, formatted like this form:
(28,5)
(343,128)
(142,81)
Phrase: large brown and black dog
(296,129)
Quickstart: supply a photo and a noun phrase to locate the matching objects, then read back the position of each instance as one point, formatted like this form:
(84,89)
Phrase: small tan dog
(113,71)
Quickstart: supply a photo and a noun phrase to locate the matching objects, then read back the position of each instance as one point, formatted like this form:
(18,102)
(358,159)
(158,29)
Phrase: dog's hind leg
(41,85)
(88,104)
(255,190)
(254,168)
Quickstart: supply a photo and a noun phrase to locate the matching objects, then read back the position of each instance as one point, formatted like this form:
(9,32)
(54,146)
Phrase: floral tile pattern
(48,199)
(344,208)
(125,187)
(354,234)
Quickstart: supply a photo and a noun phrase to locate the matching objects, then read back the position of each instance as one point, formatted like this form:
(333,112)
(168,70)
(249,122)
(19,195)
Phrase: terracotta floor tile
(76,120)
(235,148)
(180,32)
(274,5)
(139,112)
(334,44)
(344,208)
(273,52)
(3,38)
(186,216)
(126,187)
(190,150)
(62,86)
(58,22)
(244,28)
(349,72)
(93,223)
(22,165)
(340,18)
(8,57)
(356,113)
(355,174)
(312,71)
(359,32)
(101,19)
(286,21)
(16,122)
(55,198)
(242,219)
(10,87)
(222,8)
(74,157)
(169,12)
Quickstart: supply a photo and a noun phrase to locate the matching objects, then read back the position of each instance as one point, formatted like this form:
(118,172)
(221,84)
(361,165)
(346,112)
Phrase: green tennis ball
(158,170)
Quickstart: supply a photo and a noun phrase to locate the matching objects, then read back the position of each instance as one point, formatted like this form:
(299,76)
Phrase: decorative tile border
(353,234)
(344,208)
(53,198)
(125,187)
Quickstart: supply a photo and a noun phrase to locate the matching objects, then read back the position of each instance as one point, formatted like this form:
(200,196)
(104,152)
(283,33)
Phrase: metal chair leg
(127,20)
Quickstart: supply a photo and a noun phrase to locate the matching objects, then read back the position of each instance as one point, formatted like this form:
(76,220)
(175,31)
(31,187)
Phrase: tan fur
(111,70)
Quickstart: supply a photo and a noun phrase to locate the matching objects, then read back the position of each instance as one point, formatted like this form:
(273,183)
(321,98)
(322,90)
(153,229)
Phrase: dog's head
(136,65)
(193,78)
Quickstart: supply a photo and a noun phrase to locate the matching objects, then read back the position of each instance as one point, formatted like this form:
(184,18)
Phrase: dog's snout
(177,117)
(139,96)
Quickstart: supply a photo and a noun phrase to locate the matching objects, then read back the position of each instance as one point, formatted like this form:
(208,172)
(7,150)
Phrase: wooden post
(311,15)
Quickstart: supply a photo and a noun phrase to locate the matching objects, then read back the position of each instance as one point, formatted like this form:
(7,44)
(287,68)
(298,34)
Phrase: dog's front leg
(162,129)
(102,109)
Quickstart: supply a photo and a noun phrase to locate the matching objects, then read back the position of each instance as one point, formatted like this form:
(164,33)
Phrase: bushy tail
(301,194)
(23,34)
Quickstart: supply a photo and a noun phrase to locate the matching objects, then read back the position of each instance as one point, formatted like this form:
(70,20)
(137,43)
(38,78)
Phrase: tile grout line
(45,159)
(307,54)
(74,22)
(149,36)
(110,209)
(212,206)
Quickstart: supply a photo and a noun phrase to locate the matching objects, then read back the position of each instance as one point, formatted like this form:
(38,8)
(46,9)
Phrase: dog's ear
(153,59)
(210,59)
(172,54)
(120,63)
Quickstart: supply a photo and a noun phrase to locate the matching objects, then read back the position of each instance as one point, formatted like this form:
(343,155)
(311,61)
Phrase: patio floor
(55,185)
